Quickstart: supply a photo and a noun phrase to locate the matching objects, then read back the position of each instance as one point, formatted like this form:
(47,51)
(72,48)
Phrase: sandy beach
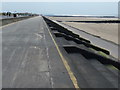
(108,31)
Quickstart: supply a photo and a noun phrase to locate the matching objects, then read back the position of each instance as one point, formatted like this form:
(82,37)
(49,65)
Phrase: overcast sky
(60,0)
(69,8)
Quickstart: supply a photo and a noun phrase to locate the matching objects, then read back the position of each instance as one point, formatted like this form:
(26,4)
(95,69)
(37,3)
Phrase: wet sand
(108,31)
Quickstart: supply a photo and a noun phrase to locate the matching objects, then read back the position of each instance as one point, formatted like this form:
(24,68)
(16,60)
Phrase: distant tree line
(9,14)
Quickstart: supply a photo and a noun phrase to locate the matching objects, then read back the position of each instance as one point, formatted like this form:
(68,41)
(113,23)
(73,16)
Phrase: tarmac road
(30,58)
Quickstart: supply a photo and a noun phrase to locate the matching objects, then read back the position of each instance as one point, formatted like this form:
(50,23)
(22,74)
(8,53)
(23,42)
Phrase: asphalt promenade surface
(30,58)
(33,57)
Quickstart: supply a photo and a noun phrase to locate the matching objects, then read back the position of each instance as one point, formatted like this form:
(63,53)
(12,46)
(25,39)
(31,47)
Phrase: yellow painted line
(72,77)
(13,23)
(8,24)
